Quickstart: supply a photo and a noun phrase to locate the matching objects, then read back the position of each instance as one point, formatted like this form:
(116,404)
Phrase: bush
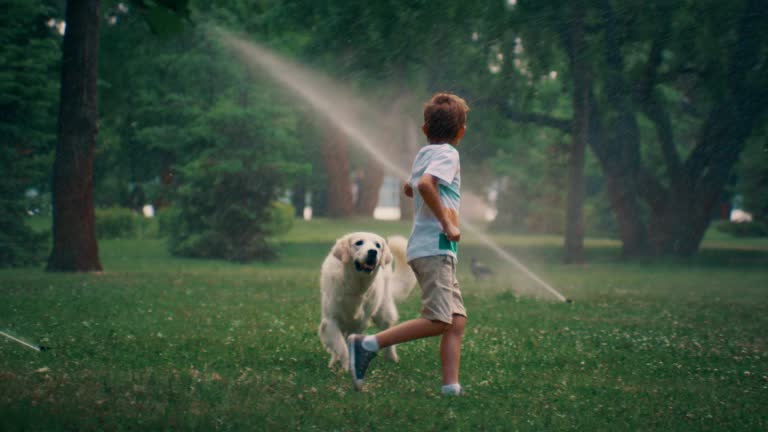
(111,192)
(225,209)
(20,246)
(116,222)
(282,216)
(165,218)
(233,172)
(148,227)
(743,229)
(28,65)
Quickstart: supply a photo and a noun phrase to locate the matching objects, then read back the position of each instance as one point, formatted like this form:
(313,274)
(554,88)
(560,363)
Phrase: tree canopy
(635,112)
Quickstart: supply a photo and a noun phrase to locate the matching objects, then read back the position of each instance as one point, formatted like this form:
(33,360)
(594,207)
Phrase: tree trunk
(409,147)
(574,214)
(681,207)
(619,149)
(299,199)
(690,205)
(336,159)
(680,227)
(620,183)
(368,191)
(74,232)
(622,192)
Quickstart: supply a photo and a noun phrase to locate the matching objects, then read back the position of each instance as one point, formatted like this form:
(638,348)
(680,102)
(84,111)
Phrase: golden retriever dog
(361,280)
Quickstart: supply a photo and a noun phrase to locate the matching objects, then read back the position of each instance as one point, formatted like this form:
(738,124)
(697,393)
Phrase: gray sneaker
(359,359)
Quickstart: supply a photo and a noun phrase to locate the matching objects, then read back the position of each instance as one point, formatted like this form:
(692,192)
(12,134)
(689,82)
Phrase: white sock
(370,343)
(452,389)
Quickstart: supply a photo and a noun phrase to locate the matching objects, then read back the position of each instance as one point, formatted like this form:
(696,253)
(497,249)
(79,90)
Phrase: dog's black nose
(371,258)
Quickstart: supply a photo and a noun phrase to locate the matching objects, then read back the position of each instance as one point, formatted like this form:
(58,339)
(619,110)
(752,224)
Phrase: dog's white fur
(357,289)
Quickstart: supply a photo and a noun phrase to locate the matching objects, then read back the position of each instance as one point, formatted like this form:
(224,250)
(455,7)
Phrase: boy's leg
(360,356)
(385,318)
(433,274)
(410,330)
(450,349)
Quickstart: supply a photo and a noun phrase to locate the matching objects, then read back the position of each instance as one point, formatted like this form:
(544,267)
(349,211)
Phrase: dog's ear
(387,258)
(341,250)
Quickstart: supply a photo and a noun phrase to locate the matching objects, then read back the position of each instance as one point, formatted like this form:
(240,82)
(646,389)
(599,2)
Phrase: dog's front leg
(333,341)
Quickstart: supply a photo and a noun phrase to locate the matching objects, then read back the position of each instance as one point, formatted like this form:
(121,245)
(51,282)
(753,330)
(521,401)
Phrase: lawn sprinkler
(40,348)
(514,261)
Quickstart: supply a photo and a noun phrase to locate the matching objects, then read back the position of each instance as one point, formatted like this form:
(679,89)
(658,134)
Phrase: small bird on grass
(479,270)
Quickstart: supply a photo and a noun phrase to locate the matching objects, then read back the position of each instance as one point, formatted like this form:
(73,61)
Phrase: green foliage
(124,223)
(168,104)
(224,201)
(743,229)
(207,144)
(281,219)
(598,219)
(111,191)
(29,56)
(116,222)
(224,210)
(532,193)
(165,218)
(19,244)
(164,17)
(675,90)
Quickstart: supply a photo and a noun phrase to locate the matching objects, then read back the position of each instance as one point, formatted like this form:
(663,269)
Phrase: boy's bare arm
(408,190)
(428,189)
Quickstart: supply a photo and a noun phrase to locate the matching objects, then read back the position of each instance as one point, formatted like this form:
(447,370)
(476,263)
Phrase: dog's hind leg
(333,341)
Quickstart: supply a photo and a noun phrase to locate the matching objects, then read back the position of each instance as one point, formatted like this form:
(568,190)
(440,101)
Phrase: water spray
(343,110)
(514,261)
(40,348)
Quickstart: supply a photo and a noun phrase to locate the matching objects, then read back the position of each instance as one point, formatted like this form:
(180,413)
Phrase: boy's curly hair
(444,115)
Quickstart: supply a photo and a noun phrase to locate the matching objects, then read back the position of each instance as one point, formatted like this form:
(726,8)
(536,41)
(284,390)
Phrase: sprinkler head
(43,348)
(569,301)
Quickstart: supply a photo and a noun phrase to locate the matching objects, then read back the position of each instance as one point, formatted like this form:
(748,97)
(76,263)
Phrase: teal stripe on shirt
(450,193)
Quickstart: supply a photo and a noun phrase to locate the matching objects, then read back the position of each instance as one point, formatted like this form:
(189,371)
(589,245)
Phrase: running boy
(432,246)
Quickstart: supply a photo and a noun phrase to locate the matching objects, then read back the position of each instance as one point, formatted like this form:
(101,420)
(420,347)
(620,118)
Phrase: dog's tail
(403,279)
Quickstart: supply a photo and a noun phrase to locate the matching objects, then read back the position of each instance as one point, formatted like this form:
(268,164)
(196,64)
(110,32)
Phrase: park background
(609,146)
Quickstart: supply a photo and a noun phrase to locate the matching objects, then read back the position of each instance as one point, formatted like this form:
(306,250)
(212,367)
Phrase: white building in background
(388,207)
(739,215)
(474,207)
(148,211)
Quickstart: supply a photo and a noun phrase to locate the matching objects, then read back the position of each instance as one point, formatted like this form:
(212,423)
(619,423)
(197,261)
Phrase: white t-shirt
(442,162)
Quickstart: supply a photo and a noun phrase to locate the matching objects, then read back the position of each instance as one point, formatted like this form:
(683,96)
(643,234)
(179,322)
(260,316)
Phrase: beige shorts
(440,293)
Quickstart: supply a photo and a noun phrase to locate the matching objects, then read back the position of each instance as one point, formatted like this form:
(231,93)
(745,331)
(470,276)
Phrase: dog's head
(366,251)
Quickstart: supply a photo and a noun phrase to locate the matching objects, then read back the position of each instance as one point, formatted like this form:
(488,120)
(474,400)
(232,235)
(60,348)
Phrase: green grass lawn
(161,343)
